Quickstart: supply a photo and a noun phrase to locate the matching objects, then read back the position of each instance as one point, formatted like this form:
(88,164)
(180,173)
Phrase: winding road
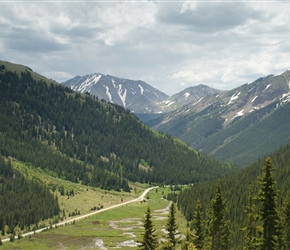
(140,198)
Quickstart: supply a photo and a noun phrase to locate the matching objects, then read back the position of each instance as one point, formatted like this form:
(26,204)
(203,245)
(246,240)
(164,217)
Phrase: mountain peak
(124,92)
(190,95)
(224,125)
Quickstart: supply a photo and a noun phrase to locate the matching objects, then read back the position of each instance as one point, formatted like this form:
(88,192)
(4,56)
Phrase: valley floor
(108,228)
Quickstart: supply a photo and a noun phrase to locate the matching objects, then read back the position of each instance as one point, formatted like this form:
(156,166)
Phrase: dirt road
(140,198)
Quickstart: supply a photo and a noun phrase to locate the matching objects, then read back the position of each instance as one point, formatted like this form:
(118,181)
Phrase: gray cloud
(31,42)
(208,17)
(169,45)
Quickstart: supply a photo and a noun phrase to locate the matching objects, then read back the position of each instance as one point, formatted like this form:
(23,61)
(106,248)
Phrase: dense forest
(236,190)
(82,139)
(78,138)
(23,202)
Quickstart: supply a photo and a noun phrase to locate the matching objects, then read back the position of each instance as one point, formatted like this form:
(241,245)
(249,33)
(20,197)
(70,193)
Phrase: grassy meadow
(116,228)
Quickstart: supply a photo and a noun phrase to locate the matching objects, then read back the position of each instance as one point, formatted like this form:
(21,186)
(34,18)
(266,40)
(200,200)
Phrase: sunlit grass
(112,227)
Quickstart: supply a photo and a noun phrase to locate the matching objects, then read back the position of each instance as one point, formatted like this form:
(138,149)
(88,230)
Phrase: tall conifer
(171,226)
(250,238)
(286,221)
(198,227)
(217,227)
(268,211)
(149,241)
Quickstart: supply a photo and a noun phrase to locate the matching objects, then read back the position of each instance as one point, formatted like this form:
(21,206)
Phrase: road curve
(140,198)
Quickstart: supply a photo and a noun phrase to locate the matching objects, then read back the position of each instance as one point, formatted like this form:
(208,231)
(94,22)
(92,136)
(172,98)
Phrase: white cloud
(171,45)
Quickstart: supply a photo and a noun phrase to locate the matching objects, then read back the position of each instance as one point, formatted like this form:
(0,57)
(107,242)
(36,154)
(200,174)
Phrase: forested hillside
(79,138)
(23,202)
(235,190)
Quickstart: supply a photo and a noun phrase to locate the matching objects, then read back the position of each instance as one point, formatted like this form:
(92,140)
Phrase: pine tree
(187,243)
(250,238)
(286,221)
(171,226)
(268,211)
(198,227)
(217,227)
(149,237)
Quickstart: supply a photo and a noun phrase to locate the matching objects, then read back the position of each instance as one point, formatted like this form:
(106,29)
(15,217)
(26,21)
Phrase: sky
(170,45)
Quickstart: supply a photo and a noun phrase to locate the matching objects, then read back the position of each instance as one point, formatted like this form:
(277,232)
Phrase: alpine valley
(70,150)
(238,126)
(78,138)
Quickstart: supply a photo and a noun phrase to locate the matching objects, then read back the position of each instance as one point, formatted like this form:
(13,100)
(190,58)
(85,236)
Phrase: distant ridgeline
(79,138)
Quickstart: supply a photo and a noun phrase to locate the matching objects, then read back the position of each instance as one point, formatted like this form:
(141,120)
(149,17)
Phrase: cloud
(170,45)
(208,17)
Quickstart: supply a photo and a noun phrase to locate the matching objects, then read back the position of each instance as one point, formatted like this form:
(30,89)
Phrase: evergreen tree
(250,238)
(197,226)
(171,226)
(286,221)
(217,230)
(149,237)
(268,211)
(187,242)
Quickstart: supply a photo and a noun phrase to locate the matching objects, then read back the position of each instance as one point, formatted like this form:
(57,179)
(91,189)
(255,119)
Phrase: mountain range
(57,132)
(41,118)
(239,125)
(135,95)
(78,138)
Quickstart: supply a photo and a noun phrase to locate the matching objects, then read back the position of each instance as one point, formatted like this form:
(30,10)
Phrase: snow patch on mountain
(108,93)
(87,84)
(113,82)
(234,97)
(198,100)
(141,88)
(122,95)
(266,87)
(285,98)
(171,103)
(238,114)
(254,99)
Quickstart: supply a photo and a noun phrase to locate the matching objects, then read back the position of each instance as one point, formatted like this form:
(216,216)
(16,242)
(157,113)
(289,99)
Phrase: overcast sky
(170,45)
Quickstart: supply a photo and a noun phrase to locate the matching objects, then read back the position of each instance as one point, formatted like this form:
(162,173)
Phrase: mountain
(188,95)
(235,190)
(82,139)
(137,96)
(240,125)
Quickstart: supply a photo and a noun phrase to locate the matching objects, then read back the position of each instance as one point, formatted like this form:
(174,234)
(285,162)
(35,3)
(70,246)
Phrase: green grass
(18,68)
(85,197)
(113,227)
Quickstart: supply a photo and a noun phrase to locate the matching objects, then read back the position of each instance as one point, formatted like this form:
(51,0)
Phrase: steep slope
(235,190)
(137,96)
(23,202)
(178,100)
(188,95)
(226,124)
(82,139)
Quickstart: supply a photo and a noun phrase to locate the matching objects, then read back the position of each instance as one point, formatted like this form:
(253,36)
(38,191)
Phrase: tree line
(265,223)
(97,143)
(23,202)
(266,226)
